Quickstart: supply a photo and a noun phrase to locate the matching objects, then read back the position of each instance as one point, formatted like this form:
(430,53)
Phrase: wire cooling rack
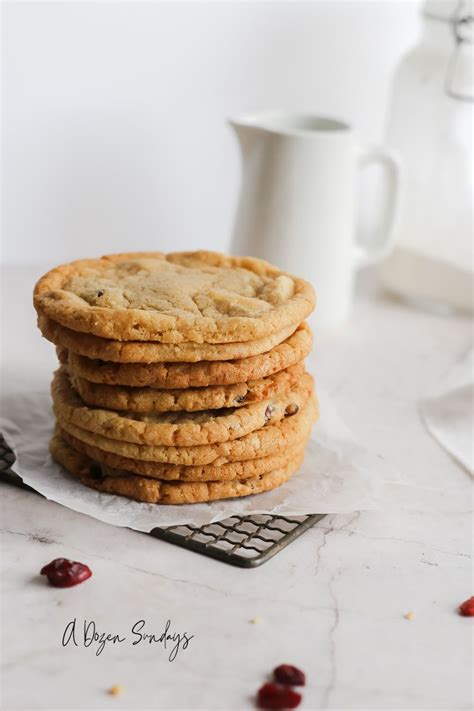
(244,541)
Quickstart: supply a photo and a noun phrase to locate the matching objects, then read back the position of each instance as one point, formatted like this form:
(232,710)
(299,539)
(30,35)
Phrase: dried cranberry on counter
(277,698)
(64,573)
(288,674)
(466,609)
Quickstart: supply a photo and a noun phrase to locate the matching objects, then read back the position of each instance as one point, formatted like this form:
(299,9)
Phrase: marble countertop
(333,602)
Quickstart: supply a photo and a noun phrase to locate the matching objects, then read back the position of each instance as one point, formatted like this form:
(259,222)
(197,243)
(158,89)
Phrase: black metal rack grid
(243,541)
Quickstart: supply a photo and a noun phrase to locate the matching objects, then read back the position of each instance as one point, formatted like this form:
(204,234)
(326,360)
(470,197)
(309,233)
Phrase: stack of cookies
(181,376)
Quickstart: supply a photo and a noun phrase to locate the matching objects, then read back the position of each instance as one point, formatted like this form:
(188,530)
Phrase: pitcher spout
(246,131)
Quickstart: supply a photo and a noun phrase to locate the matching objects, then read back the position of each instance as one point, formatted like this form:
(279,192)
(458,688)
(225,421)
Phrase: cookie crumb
(409,616)
(256,621)
(115,690)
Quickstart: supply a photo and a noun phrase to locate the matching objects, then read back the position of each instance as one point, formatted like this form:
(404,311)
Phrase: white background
(114,116)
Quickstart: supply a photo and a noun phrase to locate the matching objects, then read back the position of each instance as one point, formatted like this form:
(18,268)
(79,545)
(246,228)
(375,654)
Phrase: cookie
(216,397)
(198,297)
(174,472)
(193,375)
(183,429)
(140,352)
(159,492)
(287,433)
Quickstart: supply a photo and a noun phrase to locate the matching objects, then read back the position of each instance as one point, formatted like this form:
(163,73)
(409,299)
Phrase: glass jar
(430,126)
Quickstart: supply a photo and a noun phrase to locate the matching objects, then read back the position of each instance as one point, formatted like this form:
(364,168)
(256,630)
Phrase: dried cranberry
(95,471)
(64,573)
(273,696)
(291,410)
(467,608)
(287,674)
(268,412)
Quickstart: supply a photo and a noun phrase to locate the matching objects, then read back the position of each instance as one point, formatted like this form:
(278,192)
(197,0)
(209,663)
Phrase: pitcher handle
(373,251)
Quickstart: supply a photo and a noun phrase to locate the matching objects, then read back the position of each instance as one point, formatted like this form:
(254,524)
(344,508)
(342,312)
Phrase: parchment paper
(448,413)
(339,475)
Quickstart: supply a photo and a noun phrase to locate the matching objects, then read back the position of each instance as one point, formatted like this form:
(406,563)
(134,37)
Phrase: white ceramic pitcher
(297,202)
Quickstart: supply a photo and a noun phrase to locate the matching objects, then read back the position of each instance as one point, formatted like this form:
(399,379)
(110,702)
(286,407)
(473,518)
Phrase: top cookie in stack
(182,375)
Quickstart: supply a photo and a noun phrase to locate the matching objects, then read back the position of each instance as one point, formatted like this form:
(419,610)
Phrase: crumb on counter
(256,621)
(115,690)
(409,615)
